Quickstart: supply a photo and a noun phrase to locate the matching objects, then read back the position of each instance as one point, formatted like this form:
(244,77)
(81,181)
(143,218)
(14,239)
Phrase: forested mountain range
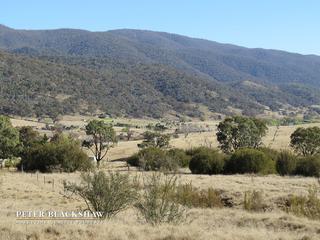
(144,73)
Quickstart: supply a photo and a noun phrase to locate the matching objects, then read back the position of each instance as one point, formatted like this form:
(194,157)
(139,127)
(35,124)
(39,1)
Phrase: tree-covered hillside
(145,73)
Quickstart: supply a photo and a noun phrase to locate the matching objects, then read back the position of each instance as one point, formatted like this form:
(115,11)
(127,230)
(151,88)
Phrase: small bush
(309,166)
(253,201)
(156,205)
(108,194)
(190,196)
(179,156)
(248,160)
(286,163)
(206,161)
(308,206)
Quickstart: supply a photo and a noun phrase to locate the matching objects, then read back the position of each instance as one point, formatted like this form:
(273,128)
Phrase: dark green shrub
(61,154)
(179,156)
(286,163)
(207,161)
(72,158)
(309,166)
(248,160)
(270,152)
(155,159)
(40,157)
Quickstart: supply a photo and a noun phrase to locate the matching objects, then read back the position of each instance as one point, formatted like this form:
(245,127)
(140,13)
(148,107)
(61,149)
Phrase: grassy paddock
(25,191)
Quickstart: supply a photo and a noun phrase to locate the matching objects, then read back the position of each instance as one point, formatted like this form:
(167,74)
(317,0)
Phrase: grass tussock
(190,196)
(253,201)
(306,206)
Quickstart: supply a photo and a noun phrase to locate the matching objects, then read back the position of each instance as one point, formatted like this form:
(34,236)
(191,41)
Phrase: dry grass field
(25,191)
(22,191)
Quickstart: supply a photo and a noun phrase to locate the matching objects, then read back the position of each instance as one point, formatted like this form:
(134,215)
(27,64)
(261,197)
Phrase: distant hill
(145,73)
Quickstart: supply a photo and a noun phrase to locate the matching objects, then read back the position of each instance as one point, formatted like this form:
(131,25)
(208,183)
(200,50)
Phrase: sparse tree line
(241,151)
(240,142)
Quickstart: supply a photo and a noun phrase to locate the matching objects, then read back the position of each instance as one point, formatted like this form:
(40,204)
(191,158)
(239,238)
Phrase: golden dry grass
(22,191)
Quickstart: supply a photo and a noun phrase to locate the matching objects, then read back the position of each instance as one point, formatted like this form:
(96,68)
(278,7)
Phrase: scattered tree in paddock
(306,141)
(103,137)
(240,132)
(155,139)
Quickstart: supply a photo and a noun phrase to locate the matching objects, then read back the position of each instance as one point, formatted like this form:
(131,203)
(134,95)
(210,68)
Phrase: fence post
(53,184)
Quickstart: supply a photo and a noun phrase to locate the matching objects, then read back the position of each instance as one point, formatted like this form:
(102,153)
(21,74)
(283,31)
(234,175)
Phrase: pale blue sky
(292,25)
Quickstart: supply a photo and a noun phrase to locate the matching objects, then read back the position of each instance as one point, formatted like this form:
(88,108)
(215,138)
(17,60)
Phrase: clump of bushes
(179,156)
(155,159)
(270,152)
(248,160)
(62,153)
(286,163)
(309,166)
(206,161)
